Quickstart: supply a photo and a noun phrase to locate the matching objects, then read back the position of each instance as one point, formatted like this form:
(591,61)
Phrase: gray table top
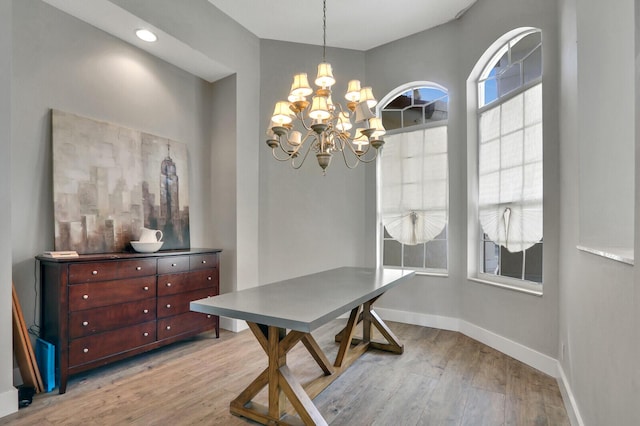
(304,303)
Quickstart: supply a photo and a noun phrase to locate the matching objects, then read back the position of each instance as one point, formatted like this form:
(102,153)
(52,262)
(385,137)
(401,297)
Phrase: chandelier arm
(273,152)
(341,140)
(300,117)
(309,133)
(346,162)
(303,158)
(287,153)
(354,151)
(370,160)
(361,157)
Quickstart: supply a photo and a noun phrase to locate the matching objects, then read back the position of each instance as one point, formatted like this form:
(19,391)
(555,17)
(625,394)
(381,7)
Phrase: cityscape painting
(110,181)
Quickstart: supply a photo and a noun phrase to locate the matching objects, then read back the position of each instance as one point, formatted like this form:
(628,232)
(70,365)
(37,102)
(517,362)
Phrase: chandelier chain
(324,30)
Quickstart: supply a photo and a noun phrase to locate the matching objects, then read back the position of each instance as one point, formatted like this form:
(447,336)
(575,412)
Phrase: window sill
(623,256)
(511,287)
(433,274)
(424,272)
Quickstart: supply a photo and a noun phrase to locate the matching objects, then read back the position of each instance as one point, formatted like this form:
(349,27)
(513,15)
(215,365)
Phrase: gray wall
(430,56)
(8,397)
(599,307)
(62,63)
(223,177)
(308,222)
(211,32)
(446,55)
(606,124)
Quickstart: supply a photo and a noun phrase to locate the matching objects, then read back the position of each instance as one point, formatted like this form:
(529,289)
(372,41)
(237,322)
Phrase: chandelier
(328,128)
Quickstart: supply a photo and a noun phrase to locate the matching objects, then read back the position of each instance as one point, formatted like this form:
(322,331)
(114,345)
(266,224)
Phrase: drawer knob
(146,288)
(204,261)
(174,264)
(94,272)
(168,327)
(85,323)
(168,284)
(145,334)
(85,296)
(138,268)
(85,350)
(146,311)
(209,278)
(168,305)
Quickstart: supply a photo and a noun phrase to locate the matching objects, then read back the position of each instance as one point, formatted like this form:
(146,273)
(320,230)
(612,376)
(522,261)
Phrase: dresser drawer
(173,264)
(91,348)
(136,268)
(98,320)
(203,261)
(93,271)
(179,303)
(93,295)
(184,323)
(177,283)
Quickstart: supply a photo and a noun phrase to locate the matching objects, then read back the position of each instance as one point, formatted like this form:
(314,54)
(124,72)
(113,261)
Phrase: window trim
(474,253)
(380,227)
(490,64)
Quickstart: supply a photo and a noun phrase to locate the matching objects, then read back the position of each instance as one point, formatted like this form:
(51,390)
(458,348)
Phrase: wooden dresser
(98,309)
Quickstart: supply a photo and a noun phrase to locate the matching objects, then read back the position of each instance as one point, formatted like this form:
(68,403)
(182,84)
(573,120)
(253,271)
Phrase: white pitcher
(150,235)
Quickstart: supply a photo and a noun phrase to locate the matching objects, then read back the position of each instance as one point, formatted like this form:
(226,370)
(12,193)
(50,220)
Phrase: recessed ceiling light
(146,35)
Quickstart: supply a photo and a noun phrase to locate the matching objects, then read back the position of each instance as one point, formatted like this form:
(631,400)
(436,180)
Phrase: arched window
(413,178)
(509,167)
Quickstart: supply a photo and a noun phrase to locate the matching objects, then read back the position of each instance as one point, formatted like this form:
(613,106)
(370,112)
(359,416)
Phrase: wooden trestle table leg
(282,384)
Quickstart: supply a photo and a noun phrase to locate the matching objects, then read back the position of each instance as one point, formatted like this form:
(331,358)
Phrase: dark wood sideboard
(102,308)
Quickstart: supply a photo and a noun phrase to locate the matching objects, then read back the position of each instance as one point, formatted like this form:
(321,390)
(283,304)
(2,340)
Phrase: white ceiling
(351,24)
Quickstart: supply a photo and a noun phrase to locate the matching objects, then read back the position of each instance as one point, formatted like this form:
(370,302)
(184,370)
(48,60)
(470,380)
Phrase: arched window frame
(475,106)
(384,102)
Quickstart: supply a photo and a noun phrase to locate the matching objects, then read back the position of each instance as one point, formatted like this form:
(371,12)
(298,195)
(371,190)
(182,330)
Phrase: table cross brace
(283,385)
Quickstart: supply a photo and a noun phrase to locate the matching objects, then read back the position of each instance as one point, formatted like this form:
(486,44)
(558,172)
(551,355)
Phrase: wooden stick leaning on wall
(22,348)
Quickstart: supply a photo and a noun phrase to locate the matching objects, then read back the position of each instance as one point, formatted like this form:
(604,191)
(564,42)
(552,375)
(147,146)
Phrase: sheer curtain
(510,166)
(415,189)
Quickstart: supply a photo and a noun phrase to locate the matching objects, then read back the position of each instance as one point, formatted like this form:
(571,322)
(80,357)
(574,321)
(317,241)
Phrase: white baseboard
(569,400)
(8,402)
(415,318)
(533,358)
(524,354)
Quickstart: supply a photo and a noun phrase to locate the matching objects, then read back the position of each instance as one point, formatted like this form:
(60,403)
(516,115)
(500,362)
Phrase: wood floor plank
(483,408)
(443,377)
(406,405)
(447,402)
(493,374)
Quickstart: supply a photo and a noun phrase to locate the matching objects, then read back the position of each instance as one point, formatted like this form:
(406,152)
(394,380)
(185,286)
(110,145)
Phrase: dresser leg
(63,383)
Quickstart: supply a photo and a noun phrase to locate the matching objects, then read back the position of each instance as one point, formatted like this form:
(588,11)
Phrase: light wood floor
(443,378)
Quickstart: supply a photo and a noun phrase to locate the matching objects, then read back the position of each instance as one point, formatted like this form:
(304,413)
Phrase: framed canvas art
(110,181)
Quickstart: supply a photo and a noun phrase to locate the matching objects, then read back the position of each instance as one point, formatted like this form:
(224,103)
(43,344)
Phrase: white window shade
(510,171)
(415,189)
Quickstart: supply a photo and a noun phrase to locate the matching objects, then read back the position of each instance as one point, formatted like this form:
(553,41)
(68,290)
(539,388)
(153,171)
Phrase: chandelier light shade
(282,114)
(325,127)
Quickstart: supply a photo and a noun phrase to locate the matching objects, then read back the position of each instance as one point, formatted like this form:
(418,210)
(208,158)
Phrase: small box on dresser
(98,309)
